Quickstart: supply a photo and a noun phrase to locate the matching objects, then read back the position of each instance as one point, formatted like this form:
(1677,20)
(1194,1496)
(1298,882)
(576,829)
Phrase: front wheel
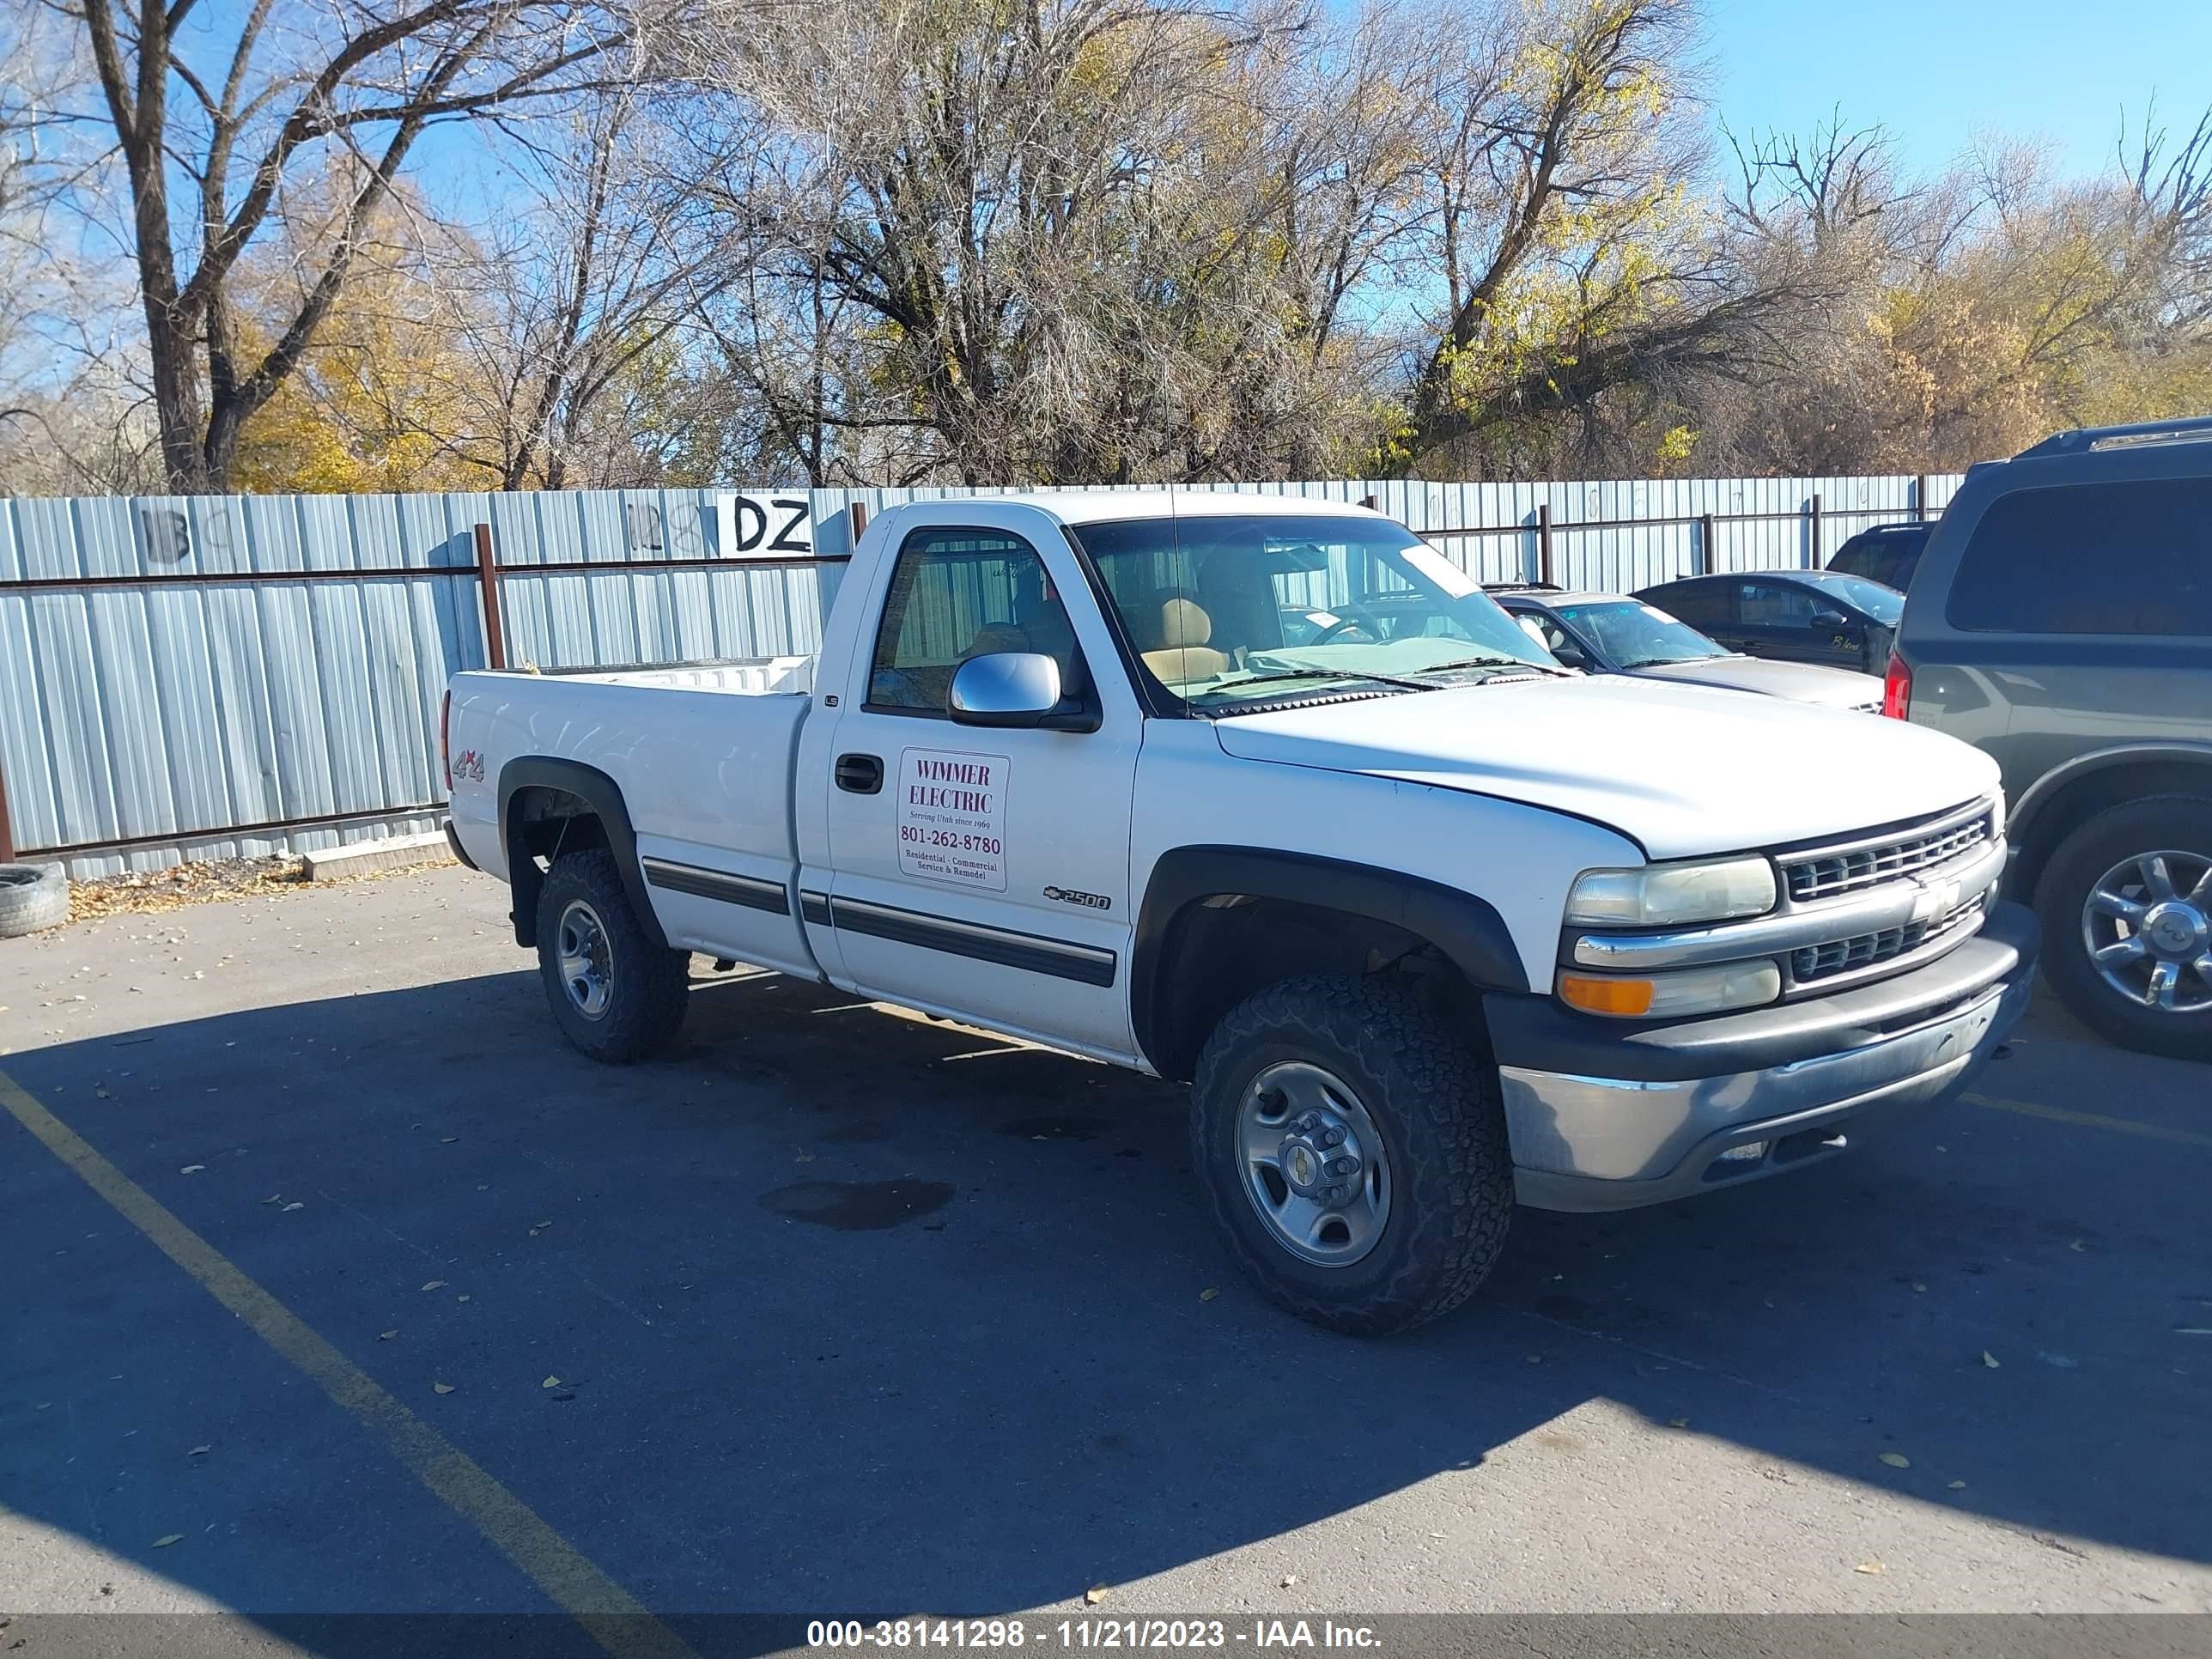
(2126,904)
(615,993)
(1352,1153)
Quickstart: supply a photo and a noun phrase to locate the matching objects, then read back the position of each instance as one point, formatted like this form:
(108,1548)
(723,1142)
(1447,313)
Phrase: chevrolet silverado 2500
(1429,924)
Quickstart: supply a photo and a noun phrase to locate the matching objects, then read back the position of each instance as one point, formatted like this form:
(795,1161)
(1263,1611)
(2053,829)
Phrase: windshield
(1231,610)
(1631,634)
(1884,604)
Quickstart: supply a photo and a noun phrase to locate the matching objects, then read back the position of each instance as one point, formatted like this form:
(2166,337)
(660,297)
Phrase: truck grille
(1843,956)
(1825,872)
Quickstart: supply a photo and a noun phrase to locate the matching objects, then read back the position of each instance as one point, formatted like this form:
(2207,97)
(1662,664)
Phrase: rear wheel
(2126,903)
(618,995)
(1352,1153)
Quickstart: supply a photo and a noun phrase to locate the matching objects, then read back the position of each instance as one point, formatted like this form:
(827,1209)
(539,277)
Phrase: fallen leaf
(192,1169)
(1897,1460)
(1289,1579)
(167,1539)
(199,1451)
(289,1208)
(442,1387)
(1989,1360)
(1094,1595)
(386,1336)
(550,1382)
(1208,1294)
(1957,1485)
(1868,1567)
(435,1285)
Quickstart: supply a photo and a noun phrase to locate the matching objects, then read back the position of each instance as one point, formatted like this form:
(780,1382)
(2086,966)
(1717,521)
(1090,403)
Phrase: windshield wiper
(1328,674)
(1493,662)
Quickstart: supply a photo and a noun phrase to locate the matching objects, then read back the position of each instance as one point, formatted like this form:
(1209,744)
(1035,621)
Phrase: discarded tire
(32,896)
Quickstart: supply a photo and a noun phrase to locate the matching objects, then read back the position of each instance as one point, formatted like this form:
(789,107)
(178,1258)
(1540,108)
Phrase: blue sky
(1934,70)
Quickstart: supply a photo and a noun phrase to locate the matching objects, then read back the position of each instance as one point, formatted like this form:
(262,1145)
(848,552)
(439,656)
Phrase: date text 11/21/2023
(1262,1635)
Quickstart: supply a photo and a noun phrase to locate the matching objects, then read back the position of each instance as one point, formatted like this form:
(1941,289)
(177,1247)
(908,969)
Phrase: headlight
(1661,996)
(1658,894)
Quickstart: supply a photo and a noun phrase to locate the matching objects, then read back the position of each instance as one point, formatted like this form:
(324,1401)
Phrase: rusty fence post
(1816,526)
(7,836)
(859,511)
(1706,565)
(1544,542)
(1920,499)
(488,575)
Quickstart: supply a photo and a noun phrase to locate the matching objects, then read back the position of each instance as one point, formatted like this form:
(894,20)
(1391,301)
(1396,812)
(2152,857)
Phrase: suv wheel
(2126,902)
(616,995)
(1352,1153)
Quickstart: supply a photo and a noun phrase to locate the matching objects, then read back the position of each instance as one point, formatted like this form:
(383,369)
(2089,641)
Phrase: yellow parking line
(2126,1126)
(614,1618)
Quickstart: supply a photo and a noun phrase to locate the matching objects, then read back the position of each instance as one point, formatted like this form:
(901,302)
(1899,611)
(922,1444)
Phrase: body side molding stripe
(750,891)
(1035,953)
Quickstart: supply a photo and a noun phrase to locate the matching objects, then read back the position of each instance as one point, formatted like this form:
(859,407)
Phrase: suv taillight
(1897,689)
(445,738)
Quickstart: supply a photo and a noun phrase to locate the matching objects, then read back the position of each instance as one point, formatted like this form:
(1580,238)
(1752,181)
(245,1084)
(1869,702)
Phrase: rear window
(2096,558)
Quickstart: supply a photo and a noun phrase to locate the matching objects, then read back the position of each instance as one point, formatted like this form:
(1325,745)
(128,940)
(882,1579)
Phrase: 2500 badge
(1069,896)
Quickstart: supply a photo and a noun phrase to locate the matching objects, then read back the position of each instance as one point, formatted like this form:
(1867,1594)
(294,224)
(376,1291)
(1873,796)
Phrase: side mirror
(1828,622)
(1018,689)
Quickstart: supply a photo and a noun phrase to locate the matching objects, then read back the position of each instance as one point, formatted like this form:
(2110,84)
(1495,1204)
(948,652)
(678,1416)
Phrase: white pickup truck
(1266,795)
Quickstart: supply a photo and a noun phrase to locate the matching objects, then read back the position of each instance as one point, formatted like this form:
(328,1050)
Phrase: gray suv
(2061,619)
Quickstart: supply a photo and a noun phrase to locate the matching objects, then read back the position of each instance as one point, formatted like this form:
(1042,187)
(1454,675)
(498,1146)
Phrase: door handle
(859,774)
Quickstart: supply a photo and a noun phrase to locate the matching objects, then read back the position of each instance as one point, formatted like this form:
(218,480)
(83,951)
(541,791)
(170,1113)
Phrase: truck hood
(1681,769)
(1800,682)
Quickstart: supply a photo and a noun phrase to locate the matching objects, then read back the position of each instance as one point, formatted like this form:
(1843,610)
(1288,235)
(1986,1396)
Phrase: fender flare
(2020,823)
(604,797)
(1468,930)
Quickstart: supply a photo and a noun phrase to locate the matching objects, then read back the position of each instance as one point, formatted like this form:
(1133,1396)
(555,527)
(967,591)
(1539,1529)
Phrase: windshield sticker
(952,816)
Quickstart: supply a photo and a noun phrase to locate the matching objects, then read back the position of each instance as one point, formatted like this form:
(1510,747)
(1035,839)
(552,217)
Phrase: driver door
(984,872)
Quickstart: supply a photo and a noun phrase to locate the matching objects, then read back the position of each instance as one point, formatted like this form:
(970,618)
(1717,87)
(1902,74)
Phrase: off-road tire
(1436,1103)
(2178,822)
(32,896)
(650,985)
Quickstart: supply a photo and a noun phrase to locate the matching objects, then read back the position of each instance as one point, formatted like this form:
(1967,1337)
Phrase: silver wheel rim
(2147,928)
(587,964)
(1315,1165)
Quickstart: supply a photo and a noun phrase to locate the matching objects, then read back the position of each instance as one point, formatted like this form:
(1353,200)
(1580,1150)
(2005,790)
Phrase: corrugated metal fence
(201,676)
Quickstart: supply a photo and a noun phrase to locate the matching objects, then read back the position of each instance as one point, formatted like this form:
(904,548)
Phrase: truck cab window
(957,593)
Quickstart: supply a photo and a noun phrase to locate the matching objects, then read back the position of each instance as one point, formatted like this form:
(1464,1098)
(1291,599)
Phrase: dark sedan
(1790,615)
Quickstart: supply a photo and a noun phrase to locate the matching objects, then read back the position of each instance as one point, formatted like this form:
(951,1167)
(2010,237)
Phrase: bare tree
(365,77)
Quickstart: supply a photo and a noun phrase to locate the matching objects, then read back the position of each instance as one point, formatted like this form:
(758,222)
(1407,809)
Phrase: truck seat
(1181,651)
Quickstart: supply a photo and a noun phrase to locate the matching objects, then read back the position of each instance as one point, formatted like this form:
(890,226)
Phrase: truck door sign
(952,816)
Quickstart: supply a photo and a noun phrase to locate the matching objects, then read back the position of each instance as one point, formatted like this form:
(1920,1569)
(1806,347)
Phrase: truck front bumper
(1603,1117)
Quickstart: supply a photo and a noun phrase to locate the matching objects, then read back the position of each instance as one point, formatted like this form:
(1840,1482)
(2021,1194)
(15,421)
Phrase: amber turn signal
(1630,997)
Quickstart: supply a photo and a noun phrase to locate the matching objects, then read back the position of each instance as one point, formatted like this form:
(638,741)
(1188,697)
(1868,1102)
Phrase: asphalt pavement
(843,1313)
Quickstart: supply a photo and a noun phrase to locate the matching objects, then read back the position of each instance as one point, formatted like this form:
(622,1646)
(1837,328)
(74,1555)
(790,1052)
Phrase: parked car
(1887,553)
(1428,923)
(1792,616)
(1613,633)
(2062,620)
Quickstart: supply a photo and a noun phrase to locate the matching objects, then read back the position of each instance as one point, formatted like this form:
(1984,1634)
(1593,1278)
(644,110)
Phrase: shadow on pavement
(853,1312)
